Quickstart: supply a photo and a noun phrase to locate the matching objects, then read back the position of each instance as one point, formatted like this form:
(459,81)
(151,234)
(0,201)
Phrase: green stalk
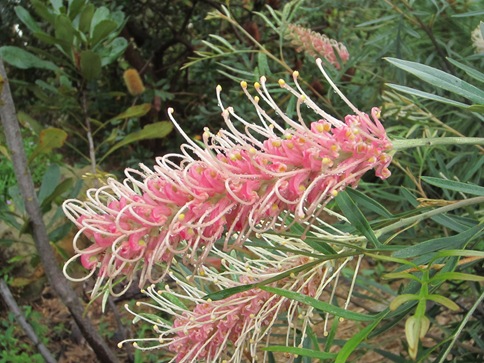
(434,141)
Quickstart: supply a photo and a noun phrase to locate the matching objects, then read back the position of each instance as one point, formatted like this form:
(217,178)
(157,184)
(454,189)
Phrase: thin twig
(17,313)
(54,274)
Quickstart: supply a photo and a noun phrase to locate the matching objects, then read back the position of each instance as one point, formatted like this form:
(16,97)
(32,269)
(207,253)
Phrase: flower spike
(265,176)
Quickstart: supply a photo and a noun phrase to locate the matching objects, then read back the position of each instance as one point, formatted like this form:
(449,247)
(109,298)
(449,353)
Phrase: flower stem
(406,144)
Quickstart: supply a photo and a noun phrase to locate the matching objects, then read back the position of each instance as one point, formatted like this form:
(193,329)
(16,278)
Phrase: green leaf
(64,33)
(49,139)
(49,182)
(456,276)
(442,300)
(263,64)
(369,203)
(401,299)
(27,19)
(356,218)
(472,72)
(85,18)
(102,30)
(429,96)
(440,79)
(455,185)
(75,7)
(64,186)
(90,64)
(57,5)
(357,338)
(300,351)
(22,59)
(100,14)
(401,275)
(43,11)
(156,130)
(133,111)
(461,253)
(476,108)
(424,248)
(319,305)
(112,51)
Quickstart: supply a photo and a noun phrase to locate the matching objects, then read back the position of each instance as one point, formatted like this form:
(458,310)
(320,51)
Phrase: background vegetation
(65,63)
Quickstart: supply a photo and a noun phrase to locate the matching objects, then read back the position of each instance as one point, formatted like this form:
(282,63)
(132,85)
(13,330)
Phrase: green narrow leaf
(41,9)
(22,59)
(49,182)
(442,300)
(263,64)
(152,131)
(472,72)
(429,96)
(64,186)
(456,276)
(90,64)
(133,111)
(455,185)
(319,305)
(64,33)
(424,248)
(461,253)
(300,351)
(440,79)
(356,218)
(368,203)
(357,338)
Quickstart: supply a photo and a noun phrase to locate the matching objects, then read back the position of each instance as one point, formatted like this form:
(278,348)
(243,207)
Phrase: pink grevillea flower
(317,45)
(265,177)
(232,329)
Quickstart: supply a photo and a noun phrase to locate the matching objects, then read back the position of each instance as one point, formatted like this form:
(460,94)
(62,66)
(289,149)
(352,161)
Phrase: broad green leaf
(319,305)
(43,11)
(90,64)
(75,7)
(455,185)
(429,96)
(50,180)
(300,351)
(100,14)
(49,139)
(133,111)
(472,72)
(27,19)
(64,33)
(424,248)
(85,18)
(56,4)
(112,51)
(63,187)
(156,130)
(22,59)
(102,30)
(356,218)
(440,79)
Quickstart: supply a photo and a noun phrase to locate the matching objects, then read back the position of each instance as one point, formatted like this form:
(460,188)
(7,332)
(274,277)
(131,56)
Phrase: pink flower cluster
(266,177)
(317,45)
(211,326)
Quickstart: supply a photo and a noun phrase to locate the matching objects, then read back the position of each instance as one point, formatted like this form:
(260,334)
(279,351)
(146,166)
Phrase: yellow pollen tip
(219,88)
(327,127)
(319,128)
(372,159)
(256,99)
(257,85)
(274,207)
(303,98)
(326,161)
(243,84)
(295,74)
(252,151)
(276,143)
(302,188)
(135,345)
(334,193)
(290,145)
(170,110)
(281,82)
(120,345)
(263,79)
(181,217)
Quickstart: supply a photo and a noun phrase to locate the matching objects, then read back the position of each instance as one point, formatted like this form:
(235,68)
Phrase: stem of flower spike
(434,141)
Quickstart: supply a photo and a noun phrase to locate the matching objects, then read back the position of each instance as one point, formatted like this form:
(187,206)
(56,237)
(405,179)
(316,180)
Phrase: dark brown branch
(17,313)
(56,278)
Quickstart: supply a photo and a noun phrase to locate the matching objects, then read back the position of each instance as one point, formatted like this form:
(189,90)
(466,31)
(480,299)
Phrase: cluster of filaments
(232,329)
(266,176)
